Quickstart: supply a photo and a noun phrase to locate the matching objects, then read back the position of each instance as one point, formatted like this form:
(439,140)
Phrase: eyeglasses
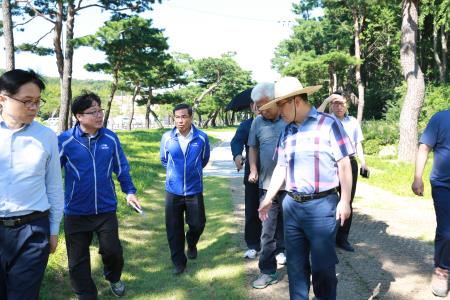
(95,113)
(338,103)
(38,102)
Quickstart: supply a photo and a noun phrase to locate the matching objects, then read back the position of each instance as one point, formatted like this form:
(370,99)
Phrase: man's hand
(132,199)
(417,186)
(264,208)
(253,177)
(343,211)
(53,240)
(239,162)
(364,166)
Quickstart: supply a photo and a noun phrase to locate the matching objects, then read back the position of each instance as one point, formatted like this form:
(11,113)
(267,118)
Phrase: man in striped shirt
(312,160)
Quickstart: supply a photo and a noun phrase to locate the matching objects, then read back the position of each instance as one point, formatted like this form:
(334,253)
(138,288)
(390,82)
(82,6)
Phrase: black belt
(308,197)
(20,220)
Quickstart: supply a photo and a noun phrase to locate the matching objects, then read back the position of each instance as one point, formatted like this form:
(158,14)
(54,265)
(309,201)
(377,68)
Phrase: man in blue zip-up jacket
(184,152)
(90,154)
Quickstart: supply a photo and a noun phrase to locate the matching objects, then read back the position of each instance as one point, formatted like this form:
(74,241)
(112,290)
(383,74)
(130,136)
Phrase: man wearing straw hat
(312,160)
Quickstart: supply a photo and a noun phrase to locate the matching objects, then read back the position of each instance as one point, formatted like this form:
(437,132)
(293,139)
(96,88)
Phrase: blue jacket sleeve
(239,140)
(163,151)
(206,152)
(122,169)
(62,157)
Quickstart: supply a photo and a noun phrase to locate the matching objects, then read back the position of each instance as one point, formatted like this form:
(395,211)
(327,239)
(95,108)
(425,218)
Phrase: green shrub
(387,133)
(437,98)
(372,147)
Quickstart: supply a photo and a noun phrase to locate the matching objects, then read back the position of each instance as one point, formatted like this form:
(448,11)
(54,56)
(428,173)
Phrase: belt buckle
(9,223)
(306,198)
(301,198)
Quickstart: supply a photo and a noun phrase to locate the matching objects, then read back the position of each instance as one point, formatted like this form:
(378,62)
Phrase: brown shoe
(439,282)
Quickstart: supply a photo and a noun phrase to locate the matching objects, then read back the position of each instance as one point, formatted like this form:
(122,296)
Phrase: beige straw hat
(287,87)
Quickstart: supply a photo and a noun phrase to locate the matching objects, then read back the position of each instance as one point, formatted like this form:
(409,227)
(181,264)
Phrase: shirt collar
(85,134)
(191,132)
(3,125)
(345,118)
(272,121)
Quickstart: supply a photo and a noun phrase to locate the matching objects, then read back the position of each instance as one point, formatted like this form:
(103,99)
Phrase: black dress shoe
(177,270)
(345,245)
(192,252)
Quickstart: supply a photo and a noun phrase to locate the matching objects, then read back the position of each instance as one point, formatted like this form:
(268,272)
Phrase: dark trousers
(176,207)
(344,230)
(441,199)
(252,230)
(79,231)
(24,252)
(310,229)
(269,238)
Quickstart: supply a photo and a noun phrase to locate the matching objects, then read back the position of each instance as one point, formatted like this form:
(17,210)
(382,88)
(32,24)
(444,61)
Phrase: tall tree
(132,46)
(209,73)
(58,11)
(8,34)
(415,81)
(438,11)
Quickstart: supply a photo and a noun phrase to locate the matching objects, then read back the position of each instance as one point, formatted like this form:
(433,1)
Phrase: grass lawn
(217,273)
(395,176)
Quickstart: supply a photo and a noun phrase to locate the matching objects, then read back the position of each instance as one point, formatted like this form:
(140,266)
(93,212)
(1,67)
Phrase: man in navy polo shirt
(184,152)
(312,160)
(436,137)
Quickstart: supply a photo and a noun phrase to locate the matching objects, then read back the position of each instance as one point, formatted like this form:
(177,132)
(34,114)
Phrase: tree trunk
(111,96)
(206,123)
(357,27)
(148,108)
(226,119)
(415,81)
(66,92)
(213,118)
(331,77)
(444,41)
(232,118)
(137,89)
(436,56)
(204,93)
(57,40)
(8,35)
(155,116)
(199,117)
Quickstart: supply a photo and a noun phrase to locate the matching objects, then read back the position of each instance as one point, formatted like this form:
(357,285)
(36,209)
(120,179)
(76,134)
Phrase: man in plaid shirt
(312,159)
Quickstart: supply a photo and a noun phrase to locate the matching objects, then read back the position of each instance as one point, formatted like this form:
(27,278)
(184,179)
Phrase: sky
(201,28)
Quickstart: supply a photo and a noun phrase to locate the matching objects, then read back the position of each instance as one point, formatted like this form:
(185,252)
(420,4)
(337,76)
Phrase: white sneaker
(281,258)
(250,254)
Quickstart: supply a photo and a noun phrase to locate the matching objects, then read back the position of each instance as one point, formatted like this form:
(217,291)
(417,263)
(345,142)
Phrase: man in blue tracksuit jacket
(184,152)
(90,154)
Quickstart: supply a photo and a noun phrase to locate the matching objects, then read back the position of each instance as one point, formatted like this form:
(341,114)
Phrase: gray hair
(263,90)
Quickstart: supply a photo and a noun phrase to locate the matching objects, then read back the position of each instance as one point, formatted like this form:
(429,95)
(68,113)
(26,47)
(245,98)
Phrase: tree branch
(24,23)
(39,13)
(100,6)
(40,39)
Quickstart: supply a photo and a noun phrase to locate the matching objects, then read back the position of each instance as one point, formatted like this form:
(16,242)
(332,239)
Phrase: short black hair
(340,93)
(11,81)
(183,106)
(84,101)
